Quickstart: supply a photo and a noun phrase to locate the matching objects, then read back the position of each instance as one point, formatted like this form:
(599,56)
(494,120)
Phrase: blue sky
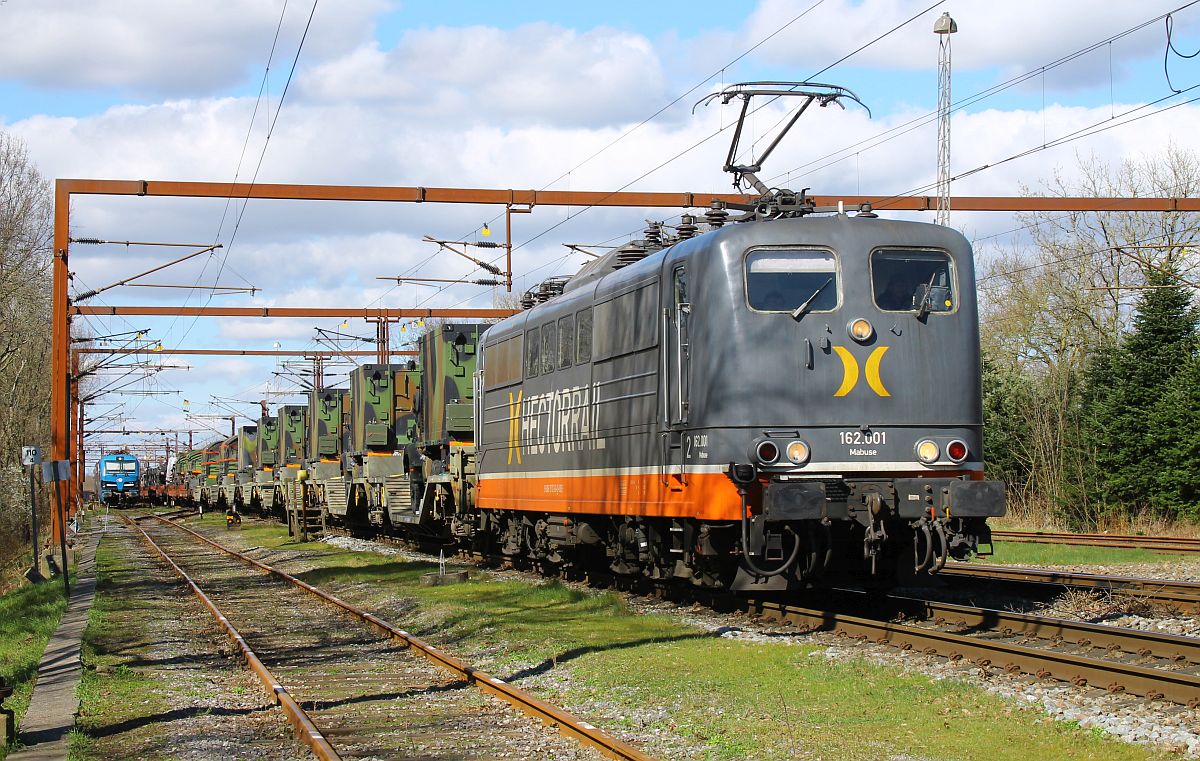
(482,94)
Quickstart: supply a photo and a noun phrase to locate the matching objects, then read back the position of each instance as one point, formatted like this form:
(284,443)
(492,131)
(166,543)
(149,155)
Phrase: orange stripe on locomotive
(703,496)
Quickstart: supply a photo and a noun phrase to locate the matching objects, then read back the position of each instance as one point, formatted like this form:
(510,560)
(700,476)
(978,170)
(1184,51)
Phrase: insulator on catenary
(629,253)
(716,217)
(87,241)
(653,233)
(487,281)
(686,227)
(488,244)
(85,295)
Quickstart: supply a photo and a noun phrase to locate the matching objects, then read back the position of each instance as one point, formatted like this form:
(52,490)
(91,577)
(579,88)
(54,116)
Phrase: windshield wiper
(802,310)
(927,298)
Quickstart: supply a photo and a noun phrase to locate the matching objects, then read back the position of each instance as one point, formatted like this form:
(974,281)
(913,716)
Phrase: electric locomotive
(793,394)
(118,478)
(753,407)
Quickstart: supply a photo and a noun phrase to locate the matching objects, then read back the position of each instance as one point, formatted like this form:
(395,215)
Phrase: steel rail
(1137,679)
(1079,670)
(1153,543)
(1135,641)
(1182,594)
(306,730)
(566,723)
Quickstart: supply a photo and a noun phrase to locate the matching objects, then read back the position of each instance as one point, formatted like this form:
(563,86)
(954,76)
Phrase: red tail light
(956,450)
(767,452)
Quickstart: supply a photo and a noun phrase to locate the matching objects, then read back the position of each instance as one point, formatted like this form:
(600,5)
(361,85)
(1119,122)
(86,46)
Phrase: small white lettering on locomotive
(857,452)
(696,445)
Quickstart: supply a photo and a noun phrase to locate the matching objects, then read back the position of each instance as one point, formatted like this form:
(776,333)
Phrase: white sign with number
(31,456)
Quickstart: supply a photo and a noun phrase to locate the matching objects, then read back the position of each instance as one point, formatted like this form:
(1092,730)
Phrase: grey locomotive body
(758,405)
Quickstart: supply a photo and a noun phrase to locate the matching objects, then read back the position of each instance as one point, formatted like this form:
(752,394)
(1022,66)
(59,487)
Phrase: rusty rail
(566,723)
(306,730)
(1184,595)
(1080,670)
(1115,541)
(1135,641)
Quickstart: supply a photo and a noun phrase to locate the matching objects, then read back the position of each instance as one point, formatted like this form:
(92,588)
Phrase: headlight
(861,329)
(957,450)
(927,451)
(798,452)
(767,452)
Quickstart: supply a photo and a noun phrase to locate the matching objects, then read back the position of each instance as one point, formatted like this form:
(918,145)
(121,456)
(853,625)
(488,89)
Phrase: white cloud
(166,48)
(1015,34)
(536,73)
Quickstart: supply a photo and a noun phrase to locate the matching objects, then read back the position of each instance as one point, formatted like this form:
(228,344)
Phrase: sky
(543,95)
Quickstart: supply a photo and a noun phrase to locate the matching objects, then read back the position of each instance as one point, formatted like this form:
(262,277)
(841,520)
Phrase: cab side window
(907,280)
(533,361)
(549,348)
(566,341)
(780,280)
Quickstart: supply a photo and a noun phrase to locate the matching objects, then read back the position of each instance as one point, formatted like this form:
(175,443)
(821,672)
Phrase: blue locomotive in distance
(117,476)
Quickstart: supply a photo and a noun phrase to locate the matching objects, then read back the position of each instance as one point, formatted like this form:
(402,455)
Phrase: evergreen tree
(1006,398)
(1126,391)
(1175,428)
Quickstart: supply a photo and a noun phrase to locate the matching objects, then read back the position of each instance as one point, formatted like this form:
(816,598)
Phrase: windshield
(900,277)
(780,281)
(119,467)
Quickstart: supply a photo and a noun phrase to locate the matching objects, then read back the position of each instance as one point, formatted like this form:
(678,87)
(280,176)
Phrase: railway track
(1179,595)
(1149,664)
(1153,543)
(350,693)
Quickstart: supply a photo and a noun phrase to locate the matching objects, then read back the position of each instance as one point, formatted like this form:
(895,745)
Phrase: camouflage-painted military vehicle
(246,452)
(263,490)
(291,453)
(325,486)
(381,425)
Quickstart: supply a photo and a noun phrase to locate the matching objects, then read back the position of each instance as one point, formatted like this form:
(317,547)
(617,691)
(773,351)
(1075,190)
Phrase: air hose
(746,544)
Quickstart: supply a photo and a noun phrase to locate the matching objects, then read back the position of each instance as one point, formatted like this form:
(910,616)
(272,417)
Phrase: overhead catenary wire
(262,154)
(720,129)
(241,157)
(929,118)
(416,267)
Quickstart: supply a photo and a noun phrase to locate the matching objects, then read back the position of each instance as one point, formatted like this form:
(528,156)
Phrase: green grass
(1032,553)
(738,700)
(111,691)
(743,700)
(537,622)
(28,616)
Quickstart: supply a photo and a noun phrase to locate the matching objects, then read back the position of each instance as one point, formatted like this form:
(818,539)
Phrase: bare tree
(1048,307)
(26,234)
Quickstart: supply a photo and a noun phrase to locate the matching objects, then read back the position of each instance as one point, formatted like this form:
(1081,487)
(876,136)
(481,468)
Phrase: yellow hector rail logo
(850,371)
(514,425)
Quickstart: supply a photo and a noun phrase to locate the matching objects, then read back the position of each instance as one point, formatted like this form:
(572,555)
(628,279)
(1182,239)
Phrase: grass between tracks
(28,616)
(1035,554)
(110,691)
(699,695)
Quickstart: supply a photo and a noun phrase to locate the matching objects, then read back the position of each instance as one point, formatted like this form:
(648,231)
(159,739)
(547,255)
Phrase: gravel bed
(1132,719)
(1128,611)
(373,698)
(1185,568)
(215,707)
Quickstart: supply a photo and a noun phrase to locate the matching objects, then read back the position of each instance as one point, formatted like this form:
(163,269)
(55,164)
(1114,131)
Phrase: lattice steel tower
(944,27)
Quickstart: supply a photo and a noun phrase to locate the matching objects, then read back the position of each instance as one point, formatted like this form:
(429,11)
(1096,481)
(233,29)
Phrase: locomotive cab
(837,357)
